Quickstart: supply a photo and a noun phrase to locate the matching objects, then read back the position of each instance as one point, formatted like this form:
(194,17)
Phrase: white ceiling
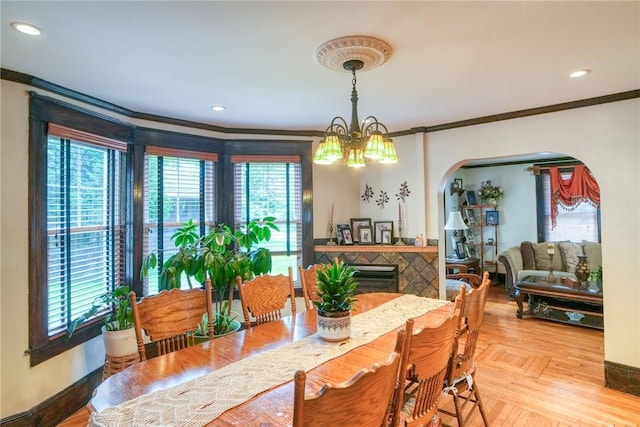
(451,60)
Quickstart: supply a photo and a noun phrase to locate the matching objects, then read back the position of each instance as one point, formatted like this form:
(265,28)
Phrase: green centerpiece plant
(336,289)
(221,255)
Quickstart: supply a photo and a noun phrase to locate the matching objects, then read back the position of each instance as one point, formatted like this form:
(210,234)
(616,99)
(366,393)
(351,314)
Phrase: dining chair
(461,381)
(452,268)
(264,297)
(453,282)
(308,279)
(363,399)
(423,369)
(170,318)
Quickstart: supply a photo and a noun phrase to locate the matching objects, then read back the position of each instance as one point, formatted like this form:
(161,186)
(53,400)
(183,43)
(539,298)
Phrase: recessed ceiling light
(218,107)
(579,73)
(24,28)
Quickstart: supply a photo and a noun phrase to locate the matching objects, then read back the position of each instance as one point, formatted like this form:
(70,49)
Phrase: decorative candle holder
(331,242)
(550,277)
(400,242)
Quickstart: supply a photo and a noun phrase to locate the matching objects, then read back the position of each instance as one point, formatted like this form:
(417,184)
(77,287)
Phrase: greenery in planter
(221,255)
(335,288)
(120,319)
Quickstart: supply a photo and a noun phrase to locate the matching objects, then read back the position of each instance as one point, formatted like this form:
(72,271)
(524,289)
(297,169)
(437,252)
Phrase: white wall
(604,137)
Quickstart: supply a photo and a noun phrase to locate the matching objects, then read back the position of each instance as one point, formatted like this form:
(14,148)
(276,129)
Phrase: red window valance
(579,187)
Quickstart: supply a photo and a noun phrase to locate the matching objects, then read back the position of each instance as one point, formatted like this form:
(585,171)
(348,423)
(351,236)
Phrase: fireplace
(376,277)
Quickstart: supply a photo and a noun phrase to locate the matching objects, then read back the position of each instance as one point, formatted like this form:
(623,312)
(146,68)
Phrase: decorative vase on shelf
(492,201)
(582,269)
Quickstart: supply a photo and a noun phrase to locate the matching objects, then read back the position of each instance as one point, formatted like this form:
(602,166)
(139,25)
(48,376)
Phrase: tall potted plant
(335,288)
(220,255)
(117,332)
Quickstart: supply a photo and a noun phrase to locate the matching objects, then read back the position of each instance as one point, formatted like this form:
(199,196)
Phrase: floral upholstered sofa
(533,259)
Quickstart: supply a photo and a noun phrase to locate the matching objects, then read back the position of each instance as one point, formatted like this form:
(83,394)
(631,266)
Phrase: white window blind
(271,186)
(85,222)
(575,224)
(179,186)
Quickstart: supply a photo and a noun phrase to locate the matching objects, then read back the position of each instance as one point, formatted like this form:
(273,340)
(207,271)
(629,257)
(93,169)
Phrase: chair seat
(453,287)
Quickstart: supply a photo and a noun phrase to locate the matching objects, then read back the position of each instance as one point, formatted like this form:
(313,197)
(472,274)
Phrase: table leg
(519,297)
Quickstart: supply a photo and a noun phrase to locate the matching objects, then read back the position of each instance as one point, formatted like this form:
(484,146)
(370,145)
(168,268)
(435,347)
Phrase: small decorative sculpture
(404,191)
(368,193)
(383,199)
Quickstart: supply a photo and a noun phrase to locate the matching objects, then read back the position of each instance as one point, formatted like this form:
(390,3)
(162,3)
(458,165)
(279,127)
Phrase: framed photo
(471,216)
(468,234)
(347,239)
(340,229)
(491,218)
(457,182)
(460,250)
(379,227)
(356,223)
(471,251)
(470,195)
(387,237)
(365,235)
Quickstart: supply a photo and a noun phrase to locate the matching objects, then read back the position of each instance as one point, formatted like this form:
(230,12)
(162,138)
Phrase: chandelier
(355,143)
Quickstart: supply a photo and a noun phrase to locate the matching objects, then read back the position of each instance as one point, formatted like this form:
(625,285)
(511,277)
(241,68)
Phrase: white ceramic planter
(335,326)
(120,343)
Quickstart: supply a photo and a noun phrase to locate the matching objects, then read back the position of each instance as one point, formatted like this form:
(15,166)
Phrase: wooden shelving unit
(481,239)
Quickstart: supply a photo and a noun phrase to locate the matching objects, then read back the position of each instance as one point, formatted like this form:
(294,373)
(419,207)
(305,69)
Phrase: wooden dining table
(273,407)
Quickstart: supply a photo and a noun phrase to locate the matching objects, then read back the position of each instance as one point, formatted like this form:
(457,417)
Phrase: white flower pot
(335,326)
(120,343)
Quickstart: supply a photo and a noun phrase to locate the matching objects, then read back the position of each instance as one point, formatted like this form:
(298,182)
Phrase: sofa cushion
(570,252)
(593,251)
(528,256)
(542,257)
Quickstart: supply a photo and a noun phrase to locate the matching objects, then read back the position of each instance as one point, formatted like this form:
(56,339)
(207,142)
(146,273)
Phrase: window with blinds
(271,185)
(575,224)
(179,186)
(85,223)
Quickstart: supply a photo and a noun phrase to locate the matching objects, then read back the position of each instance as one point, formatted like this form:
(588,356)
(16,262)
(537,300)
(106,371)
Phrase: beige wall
(605,137)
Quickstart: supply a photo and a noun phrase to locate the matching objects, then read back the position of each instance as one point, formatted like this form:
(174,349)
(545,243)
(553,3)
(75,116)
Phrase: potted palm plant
(335,288)
(220,255)
(118,334)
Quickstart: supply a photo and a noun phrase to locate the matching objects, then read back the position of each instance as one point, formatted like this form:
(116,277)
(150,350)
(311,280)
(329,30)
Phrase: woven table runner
(200,400)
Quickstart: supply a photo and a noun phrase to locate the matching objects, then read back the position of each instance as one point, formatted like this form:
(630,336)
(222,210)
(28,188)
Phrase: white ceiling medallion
(371,51)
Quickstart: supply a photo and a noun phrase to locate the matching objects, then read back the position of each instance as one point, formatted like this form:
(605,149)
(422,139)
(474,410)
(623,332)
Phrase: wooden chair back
(171,318)
(364,399)
(308,279)
(264,297)
(472,279)
(456,268)
(461,382)
(424,366)
(472,317)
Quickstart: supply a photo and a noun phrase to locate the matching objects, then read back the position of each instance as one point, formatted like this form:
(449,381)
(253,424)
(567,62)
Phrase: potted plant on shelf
(118,334)
(490,193)
(335,288)
(220,255)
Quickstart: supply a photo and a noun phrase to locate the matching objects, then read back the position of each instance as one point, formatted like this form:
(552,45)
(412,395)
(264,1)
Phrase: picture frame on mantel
(379,227)
(356,223)
(343,231)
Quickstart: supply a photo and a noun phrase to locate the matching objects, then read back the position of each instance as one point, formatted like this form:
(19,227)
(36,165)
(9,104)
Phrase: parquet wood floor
(534,373)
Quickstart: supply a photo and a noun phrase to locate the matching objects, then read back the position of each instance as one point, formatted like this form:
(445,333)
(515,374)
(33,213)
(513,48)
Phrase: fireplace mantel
(417,265)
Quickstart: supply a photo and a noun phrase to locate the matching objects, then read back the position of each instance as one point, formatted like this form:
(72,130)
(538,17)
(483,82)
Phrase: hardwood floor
(533,372)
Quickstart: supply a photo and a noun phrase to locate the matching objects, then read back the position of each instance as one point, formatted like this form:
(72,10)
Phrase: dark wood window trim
(44,110)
